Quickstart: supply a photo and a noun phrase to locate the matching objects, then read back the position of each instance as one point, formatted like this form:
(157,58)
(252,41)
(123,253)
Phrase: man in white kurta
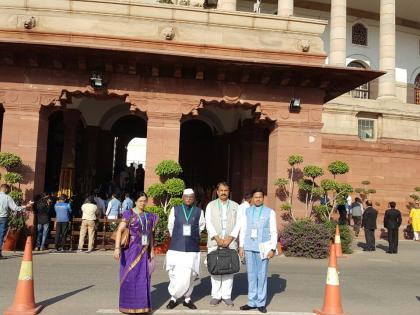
(185,224)
(221,223)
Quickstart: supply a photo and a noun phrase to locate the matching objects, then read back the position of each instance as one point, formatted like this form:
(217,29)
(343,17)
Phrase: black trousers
(370,239)
(393,240)
(61,229)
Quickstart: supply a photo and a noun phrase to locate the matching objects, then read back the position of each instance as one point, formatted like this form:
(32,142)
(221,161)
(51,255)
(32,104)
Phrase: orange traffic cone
(24,303)
(337,242)
(332,299)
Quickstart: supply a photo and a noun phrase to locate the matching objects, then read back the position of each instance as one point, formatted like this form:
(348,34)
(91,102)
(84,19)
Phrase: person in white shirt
(90,212)
(185,224)
(246,203)
(222,228)
(348,209)
(257,244)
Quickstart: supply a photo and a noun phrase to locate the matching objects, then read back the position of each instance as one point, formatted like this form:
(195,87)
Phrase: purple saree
(134,265)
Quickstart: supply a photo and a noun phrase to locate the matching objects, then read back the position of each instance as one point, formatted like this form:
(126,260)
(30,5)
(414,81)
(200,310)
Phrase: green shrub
(156,191)
(305,238)
(174,187)
(12,178)
(17,196)
(16,220)
(10,160)
(168,169)
(175,201)
(161,229)
(338,167)
(345,235)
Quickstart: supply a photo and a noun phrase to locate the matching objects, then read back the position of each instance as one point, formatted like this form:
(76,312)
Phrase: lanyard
(253,212)
(143,226)
(185,213)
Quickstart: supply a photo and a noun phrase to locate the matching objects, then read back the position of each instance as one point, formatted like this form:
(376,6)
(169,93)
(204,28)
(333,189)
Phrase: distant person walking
(415,222)
(356,213)
(392,222)
(369,224)
(114,207)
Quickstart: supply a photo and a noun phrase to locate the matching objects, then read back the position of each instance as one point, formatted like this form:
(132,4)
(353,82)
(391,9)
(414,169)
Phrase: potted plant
(16,220)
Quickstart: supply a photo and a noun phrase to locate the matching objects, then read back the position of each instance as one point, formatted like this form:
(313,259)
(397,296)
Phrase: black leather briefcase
(223,261)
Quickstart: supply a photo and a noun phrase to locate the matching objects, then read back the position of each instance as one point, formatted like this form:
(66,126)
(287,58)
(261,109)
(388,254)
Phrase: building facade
(211,87)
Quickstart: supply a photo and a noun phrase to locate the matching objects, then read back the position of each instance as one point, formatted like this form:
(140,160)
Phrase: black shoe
(395,252)
(171,305)
(246,307)
(2,257)
(262,309)
(388,252)
(190,305)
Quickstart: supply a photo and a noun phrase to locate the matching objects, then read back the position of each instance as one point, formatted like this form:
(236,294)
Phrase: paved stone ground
(372,283)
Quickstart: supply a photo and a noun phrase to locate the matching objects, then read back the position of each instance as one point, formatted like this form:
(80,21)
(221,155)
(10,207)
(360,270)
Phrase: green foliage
(364,191)
(165,1)
(417,189)
(338,167)
(305,185)
(295,159)
(281,182)
(377,203)
(12,178)
(328,184)
(17,220)
(10,160)
(174,187)
(174,201)
(313,171)
(168,169)
(184,2)
(286,207)
(156,191)
(345,235)
(161,228)
(415,197)
(17,196)
(305,238)
(322,212)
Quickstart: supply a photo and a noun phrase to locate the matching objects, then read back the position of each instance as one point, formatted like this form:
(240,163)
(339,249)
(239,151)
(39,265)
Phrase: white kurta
(183,267)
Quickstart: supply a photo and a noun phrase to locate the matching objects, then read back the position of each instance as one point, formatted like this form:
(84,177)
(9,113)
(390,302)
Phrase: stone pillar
(387,49)
(163,135)
(67,173)
(226,5)
(338,23)
(25,133)
(285,7)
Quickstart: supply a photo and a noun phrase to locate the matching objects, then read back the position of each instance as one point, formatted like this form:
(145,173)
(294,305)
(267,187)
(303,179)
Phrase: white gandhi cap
(188,192)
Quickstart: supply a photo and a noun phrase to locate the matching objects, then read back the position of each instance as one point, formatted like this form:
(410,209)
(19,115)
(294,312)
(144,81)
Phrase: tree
(293,160)
(364,192)
(313,172)
(338,167)
(339,193)
(12,162)
(168,192)
(415,198)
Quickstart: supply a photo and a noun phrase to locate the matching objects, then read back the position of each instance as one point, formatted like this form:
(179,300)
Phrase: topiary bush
(10,160)
(168,169)
(345,235)
(12,178)
(161,229)
(305,238)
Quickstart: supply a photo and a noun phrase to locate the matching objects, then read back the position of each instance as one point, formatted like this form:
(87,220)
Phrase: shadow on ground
(58,298)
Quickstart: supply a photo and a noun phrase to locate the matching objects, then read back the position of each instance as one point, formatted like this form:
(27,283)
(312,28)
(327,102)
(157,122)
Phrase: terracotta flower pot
(11,240)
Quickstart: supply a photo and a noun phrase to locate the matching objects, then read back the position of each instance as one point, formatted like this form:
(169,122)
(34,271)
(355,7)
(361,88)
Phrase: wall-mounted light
(96,80)
(294,106)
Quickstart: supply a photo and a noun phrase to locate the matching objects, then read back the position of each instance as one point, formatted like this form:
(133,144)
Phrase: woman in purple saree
(135,275)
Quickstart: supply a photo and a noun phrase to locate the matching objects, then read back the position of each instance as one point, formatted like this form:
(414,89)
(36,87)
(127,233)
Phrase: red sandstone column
(67,175)
(25,133)
(163,134)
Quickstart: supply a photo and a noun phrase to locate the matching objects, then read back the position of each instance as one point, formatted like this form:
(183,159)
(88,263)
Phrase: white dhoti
(183,269)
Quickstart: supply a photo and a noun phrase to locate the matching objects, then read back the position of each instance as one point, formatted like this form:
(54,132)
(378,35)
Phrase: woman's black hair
(140,194)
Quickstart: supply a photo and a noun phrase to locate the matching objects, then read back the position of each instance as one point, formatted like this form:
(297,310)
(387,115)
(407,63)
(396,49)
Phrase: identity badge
(187,230)
(144,240)
(254,233)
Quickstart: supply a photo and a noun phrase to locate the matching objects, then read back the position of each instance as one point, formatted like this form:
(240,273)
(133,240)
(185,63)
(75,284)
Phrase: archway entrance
(87,147)
(224,144)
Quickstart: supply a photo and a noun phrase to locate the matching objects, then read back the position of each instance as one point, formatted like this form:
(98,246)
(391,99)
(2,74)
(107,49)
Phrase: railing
(103,231)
